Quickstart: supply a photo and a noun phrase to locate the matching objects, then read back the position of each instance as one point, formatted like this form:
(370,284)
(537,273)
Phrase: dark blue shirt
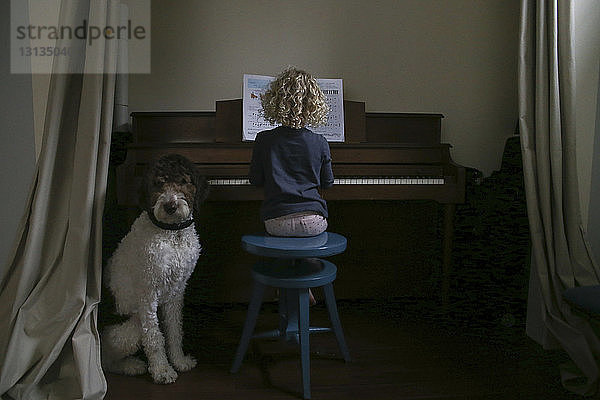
(291,164)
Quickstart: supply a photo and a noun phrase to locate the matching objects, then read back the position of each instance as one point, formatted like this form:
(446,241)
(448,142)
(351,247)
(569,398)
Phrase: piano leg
(449,211)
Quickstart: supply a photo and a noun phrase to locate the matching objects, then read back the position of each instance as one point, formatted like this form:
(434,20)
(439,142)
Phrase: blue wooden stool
(294,268)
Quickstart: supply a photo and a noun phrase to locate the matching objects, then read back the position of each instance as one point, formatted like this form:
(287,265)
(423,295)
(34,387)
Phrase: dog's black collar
(170,227)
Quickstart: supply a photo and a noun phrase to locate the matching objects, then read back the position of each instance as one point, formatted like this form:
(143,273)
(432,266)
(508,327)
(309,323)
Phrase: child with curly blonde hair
(291,162)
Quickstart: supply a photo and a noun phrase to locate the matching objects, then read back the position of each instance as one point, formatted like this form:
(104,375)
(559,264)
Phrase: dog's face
(172,198)
(173,189)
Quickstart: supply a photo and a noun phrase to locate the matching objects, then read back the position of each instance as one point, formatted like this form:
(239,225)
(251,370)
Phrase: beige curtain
(560,257)
(49,344)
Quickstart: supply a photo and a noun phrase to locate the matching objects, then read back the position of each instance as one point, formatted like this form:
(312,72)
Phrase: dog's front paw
(163,373)
(184,363)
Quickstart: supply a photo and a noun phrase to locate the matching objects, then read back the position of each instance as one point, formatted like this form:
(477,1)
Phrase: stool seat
(305,273)
(324,245)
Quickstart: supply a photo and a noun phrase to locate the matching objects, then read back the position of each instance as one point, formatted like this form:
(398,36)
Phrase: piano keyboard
(407,180)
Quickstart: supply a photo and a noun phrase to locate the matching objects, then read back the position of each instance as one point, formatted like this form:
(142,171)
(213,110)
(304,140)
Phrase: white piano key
(369,180)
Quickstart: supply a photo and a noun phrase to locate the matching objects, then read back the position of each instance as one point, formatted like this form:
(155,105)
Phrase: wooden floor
(395,356)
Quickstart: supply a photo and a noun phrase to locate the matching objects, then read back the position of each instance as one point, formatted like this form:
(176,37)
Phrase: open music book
(253,121)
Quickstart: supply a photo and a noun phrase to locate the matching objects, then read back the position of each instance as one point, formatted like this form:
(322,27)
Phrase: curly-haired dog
(149,270)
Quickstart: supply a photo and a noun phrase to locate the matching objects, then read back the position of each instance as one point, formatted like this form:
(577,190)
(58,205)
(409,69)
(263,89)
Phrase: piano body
(385,156)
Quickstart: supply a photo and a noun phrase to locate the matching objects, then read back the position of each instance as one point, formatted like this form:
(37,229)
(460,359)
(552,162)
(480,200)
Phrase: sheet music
(333,130)
(254,122)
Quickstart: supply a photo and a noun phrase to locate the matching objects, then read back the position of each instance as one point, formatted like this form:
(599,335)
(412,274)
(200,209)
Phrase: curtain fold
(49,344)
(560,256)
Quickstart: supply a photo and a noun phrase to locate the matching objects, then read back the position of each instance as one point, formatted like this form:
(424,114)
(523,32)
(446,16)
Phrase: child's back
(291,162)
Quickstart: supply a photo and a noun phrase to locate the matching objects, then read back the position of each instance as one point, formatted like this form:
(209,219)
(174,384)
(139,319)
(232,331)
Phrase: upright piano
(385,156)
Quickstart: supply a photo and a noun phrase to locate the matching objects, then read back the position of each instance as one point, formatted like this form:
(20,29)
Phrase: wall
(457,58)
(17,152)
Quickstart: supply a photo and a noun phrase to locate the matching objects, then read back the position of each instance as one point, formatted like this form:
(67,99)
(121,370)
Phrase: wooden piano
(385,156)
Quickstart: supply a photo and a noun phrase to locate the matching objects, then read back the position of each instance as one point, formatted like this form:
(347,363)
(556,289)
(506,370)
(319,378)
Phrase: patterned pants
(300,224)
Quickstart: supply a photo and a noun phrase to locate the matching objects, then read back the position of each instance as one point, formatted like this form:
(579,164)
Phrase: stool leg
(292,330)
(283,312)
(335,321)
(303,322)
(253,309)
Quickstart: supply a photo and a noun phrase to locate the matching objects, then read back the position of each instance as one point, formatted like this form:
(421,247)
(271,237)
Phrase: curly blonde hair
(294,99)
